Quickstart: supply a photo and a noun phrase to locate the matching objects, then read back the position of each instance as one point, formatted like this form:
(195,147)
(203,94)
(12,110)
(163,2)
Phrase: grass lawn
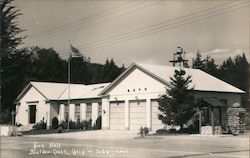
(50,131)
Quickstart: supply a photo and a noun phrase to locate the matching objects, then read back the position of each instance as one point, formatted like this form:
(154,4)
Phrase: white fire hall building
(127,103)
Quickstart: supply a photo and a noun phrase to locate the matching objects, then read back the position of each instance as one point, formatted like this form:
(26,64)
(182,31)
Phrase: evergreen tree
(10,30)
(236,72)
(210,66)
(12,60)
(177,105)
(198,62)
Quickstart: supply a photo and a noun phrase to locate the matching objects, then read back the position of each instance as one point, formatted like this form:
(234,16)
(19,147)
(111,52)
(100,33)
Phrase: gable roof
(83,91)
(59,91)
(201,81)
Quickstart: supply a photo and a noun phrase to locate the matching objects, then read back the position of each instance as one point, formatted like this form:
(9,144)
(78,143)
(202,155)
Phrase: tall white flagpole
(69,85)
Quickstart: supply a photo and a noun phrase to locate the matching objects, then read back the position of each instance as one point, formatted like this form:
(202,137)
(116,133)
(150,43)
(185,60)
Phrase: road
(167,147)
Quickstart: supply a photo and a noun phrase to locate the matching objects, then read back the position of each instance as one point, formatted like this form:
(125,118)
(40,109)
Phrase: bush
(40,125)
(59,129)
(64,124)
(162,131)
(172,130)
(85,124)
(55,123)
(72,125)
(145,131)
(5,117)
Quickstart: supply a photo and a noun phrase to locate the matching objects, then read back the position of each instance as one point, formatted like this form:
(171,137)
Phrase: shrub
(172,130)
(72,125)
(162,131)
(55,123)
(59,129)
(87,124)
(64,124)
(5,117)
(40,125)
(145,130)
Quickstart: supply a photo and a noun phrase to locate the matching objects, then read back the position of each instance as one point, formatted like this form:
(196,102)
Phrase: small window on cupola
(145,89)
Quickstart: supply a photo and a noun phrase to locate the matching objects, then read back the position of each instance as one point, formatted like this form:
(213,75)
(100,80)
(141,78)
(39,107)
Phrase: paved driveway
(108,144)
(96,134)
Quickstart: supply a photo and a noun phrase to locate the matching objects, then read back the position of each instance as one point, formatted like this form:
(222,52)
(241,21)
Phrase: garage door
(137,114)
(117,116)
(156,123)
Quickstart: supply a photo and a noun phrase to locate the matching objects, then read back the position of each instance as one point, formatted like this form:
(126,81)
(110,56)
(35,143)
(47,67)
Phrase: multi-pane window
(99,109)
(89,111)
(77,112)
(66,112)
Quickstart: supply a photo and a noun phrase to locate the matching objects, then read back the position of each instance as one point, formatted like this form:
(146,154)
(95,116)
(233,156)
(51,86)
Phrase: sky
(143,31)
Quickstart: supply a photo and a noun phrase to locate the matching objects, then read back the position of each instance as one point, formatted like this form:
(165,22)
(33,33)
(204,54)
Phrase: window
(89,111)
(99,109)
(77,112)
(66,112)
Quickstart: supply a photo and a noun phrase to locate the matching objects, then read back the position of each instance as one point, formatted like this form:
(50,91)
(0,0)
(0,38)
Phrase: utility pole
(179,57)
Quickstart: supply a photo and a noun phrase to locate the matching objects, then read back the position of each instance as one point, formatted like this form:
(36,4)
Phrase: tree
(11,57)
(236,72)
(9,28)
(198,62)
(46,65)
(177,105)
(210,66)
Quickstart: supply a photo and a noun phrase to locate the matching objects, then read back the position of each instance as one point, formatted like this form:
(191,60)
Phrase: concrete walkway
(96,134)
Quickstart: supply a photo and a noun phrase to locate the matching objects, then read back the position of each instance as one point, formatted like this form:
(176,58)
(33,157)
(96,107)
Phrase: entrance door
(32,113)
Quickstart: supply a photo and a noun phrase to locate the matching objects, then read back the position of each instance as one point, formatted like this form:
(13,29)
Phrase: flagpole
(69,86)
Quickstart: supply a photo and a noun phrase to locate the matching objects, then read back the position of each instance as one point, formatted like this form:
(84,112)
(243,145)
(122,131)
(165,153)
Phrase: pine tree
(177,105)
(236,72)
(198,62)
(9,28)
(12,59)
(210,66)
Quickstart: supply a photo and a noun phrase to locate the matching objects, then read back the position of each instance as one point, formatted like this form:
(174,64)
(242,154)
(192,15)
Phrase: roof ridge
(57,83)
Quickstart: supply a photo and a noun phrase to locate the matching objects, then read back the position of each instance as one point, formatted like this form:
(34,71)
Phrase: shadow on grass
(51,131)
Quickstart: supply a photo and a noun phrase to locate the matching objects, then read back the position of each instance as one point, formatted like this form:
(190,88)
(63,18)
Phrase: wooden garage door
(156,123)
(137,114)
(117,116)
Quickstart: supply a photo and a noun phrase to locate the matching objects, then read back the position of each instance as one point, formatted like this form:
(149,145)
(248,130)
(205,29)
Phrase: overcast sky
(138,31)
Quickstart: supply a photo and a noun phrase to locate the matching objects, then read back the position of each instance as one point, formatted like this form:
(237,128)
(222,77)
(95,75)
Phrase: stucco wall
(32,97)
